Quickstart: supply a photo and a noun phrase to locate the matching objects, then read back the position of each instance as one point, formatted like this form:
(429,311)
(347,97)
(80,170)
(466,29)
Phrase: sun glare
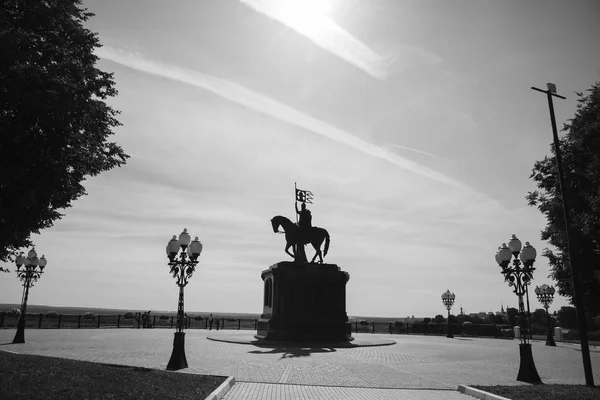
(304,15)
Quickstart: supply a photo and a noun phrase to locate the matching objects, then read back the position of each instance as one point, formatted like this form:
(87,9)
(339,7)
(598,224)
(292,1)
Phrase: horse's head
(275,225)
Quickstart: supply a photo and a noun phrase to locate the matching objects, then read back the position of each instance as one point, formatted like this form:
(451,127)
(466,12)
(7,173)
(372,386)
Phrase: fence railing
(70,321)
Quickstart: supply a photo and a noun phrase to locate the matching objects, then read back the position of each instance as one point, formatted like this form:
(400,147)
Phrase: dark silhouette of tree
(512,316)
(439,319)
(580,147)
(453,319)
(54,122)
(567,317)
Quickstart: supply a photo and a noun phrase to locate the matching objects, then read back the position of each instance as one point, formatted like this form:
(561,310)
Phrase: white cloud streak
(325,33)
(265,105)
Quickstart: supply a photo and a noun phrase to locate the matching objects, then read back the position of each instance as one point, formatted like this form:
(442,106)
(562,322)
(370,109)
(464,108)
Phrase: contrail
(265,105)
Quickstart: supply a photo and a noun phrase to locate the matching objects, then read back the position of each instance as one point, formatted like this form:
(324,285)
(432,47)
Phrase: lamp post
(519,276)
(33,268)
(575,271)
(448,300)
(545,295)
(183,264)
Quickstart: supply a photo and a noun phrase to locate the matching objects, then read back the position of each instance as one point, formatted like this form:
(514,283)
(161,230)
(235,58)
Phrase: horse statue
(293,235)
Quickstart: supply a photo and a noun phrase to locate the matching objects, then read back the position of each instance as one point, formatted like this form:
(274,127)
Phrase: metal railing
(70,321)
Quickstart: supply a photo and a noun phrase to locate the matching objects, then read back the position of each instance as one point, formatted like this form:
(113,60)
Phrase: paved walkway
(421,365)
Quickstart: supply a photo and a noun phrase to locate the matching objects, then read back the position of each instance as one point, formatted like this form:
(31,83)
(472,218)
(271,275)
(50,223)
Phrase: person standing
(218,322)
(210,322)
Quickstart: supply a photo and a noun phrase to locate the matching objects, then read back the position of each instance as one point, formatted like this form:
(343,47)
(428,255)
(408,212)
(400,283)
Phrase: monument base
(304,302)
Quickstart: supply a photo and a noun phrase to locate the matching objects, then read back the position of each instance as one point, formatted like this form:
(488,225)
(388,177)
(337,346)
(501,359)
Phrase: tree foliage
(580,149)
(512,315)
(439,319)
(567,318)
(54,122)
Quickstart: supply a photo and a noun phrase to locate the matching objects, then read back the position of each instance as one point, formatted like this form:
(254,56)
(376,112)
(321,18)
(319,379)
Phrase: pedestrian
(138,318)
(210,322)
(218,321)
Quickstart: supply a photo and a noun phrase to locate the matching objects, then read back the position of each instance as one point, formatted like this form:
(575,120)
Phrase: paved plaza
(426,367)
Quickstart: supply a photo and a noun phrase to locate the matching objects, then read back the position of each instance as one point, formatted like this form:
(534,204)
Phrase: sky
(412,123)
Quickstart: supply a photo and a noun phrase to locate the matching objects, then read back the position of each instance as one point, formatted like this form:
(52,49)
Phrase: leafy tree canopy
(439,319)
(580,149)
(54,122)
(567,318)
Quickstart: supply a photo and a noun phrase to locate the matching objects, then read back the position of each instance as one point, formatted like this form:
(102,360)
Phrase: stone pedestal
(304,302)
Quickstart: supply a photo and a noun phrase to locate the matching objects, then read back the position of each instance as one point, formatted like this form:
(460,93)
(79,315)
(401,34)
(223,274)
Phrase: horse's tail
(326,242)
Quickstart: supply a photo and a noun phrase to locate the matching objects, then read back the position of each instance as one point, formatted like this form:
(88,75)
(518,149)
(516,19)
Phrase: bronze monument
(304,301)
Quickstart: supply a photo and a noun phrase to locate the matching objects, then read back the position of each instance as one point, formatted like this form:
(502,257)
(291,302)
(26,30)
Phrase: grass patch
(544,392)
(26,376)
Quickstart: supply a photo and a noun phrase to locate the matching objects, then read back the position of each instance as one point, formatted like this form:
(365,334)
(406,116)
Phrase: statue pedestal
(304,302)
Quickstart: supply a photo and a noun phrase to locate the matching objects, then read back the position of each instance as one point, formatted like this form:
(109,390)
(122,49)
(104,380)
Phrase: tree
(512,316)
(567,317)
(580,148)
(54,122)
(439,319)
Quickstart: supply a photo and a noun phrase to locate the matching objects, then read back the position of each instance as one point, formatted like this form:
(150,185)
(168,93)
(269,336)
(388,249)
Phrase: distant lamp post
(448,300)
(545,295)
(519,276)
(183,264)
(33,268)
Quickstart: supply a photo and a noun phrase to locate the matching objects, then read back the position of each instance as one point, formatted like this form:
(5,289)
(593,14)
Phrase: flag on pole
(304,196)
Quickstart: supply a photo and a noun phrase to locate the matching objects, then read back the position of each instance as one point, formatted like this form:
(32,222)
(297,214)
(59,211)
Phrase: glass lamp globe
(196,247)
(514,244)
(184,238)
(504,254)
(173,246)
(528,254)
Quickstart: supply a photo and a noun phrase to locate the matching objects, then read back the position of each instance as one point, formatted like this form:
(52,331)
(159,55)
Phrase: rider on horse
(304,220)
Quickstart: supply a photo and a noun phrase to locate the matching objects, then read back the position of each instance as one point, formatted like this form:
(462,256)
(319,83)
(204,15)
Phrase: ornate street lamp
(183,264)
(448,300)
(33,268)
(519,276)
(545,295)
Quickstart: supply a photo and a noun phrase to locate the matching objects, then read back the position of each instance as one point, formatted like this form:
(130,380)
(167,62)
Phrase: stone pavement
(425,364)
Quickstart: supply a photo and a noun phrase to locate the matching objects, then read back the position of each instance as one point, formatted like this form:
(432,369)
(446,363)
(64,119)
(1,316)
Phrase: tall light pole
(183,264)
(545,295)
(575,275)
(31,272)
(448,300)
(519,276)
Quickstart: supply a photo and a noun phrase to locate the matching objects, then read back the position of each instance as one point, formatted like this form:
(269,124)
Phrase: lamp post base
(178,360)
(550,340)
(527,371)
(449,334)
(20,335)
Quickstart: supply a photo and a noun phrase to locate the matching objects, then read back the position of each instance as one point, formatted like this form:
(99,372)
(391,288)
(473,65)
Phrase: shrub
(128,315)
(52,314)
(198,318)
(364,322)
(163,317)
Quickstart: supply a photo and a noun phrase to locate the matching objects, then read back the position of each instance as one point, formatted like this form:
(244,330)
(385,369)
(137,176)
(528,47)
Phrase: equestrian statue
(297,235)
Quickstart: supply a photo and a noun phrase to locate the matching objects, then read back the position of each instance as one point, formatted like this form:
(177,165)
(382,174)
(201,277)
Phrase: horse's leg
(287,247)
(317,247)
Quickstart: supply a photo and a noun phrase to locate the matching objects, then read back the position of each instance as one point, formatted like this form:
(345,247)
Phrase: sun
(303,15)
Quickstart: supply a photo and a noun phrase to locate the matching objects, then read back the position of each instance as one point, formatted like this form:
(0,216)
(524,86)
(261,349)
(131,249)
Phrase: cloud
(325,33)
(260,103)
